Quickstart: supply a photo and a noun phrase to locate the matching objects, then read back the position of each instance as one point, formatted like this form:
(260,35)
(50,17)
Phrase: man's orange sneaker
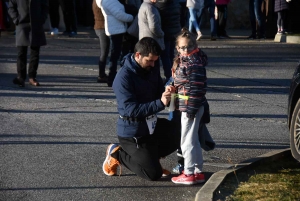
(111,164)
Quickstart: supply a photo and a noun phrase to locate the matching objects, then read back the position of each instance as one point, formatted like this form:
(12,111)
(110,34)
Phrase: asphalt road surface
(53,138)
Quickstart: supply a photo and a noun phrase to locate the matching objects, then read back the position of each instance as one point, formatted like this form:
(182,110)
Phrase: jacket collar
(130,62)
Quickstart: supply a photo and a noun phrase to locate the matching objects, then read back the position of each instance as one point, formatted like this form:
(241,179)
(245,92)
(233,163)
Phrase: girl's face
(184,46)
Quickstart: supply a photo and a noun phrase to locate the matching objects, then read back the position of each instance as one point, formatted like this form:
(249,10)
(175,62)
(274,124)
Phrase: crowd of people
(162,27)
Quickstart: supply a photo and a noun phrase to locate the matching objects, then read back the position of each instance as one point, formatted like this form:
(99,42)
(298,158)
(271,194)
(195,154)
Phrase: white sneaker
(54,31)
(199,36)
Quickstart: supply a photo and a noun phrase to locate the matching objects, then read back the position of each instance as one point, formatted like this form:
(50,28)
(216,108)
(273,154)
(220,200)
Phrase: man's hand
(166,96)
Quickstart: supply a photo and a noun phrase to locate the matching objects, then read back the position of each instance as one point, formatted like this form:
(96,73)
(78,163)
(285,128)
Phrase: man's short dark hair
(147,45)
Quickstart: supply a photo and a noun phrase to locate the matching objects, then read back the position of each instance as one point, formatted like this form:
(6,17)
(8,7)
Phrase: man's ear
(137,55)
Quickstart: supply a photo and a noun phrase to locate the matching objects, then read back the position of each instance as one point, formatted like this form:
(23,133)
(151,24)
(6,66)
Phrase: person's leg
(116,48)
(222,18)
(165,58)
(73,16)
(252,19)
(279,24)
(190,145)
(211,10)
(183,14)
(54,13)
(259,17)
(141,154)
(284,19)
(33,64)
(104,50)
(64,7)
(175,117)
(193,22)
(22,62)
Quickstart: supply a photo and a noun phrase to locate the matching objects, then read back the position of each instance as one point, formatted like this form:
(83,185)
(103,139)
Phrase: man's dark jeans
(256,14)
(210,5)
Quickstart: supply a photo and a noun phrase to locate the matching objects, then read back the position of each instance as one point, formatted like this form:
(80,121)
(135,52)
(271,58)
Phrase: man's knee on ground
(154,174)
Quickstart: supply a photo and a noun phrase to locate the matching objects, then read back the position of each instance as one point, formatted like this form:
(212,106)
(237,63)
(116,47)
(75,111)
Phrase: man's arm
(127,100)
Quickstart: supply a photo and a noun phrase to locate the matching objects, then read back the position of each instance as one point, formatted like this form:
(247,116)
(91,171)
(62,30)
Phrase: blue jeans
(210,5)
(193,20)
(255,13)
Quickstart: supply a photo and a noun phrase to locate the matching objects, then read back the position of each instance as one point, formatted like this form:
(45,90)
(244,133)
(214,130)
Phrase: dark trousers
(167,56)
(210,5)
(141,155)
(256,14)
(54,13)
(281,20)
(183,14)
(22,61)
(128,44)
(70,18)
(222,20)
(104,50)
(116,48)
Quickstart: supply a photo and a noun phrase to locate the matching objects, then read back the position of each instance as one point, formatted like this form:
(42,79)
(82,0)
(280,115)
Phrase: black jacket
(138,94)
(170,17)
(280,5)
(29,17)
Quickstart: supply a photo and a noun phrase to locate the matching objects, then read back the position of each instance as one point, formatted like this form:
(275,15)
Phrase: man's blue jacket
(138,94)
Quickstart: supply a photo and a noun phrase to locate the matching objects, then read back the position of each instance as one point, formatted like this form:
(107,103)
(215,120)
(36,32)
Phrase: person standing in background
(210,5)
(70,18)
(183,13)
(115,19)
(170,20)
(150,22)
(281,7)
(54,16)
(104,42)
(129,41)
(194,6)
(256,14)
(222,18)
(29,17)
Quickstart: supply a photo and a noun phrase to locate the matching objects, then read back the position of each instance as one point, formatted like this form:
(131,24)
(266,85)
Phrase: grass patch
(276,181)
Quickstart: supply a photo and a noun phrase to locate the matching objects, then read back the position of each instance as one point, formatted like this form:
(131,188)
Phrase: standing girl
(189,75)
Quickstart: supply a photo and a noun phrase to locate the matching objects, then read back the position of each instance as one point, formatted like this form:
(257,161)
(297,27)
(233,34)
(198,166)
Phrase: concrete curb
(206,193)
(287,38)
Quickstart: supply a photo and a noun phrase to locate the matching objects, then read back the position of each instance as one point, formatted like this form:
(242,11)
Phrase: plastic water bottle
(172,103)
